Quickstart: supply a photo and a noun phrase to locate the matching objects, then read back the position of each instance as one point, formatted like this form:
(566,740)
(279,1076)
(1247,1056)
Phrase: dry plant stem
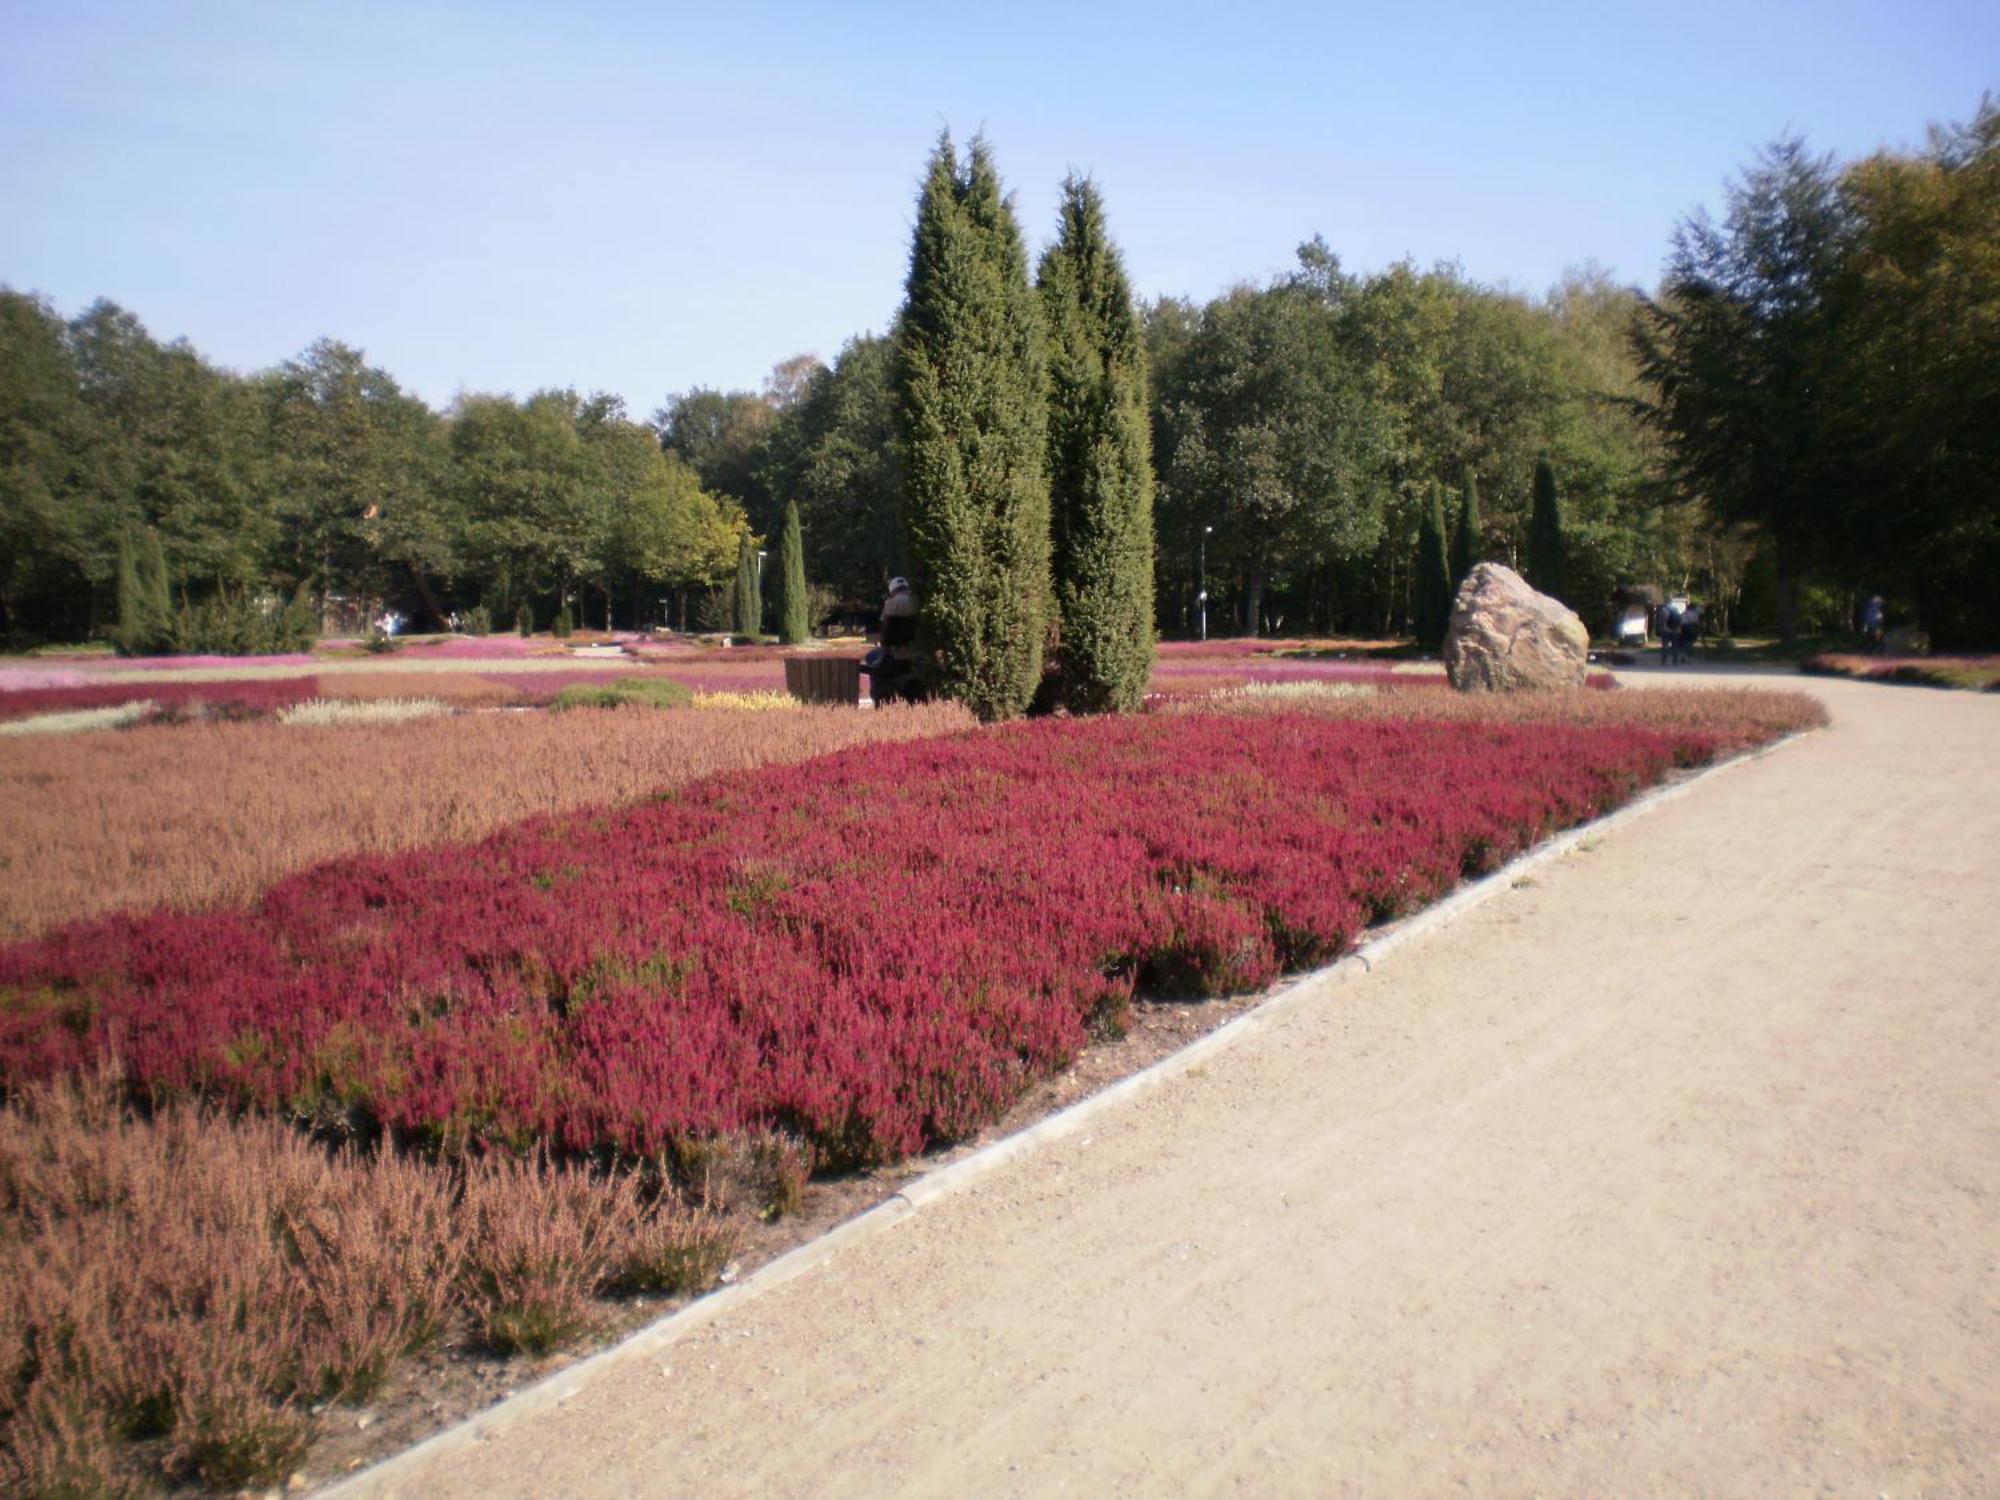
(210,814)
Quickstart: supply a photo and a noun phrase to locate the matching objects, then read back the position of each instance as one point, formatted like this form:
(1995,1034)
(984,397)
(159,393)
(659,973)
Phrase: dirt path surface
(1674,1170)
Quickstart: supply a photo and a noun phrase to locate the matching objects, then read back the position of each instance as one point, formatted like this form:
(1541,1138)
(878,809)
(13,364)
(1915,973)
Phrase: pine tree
(1433,583)
(794,617)
(1466,549)
(1100,464)
(970,388)
(1545,535)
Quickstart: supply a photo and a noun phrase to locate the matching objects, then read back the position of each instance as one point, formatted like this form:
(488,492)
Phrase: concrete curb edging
(402,1468)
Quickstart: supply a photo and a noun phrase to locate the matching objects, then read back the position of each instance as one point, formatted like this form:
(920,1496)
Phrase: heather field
(210,814)
(465,1027)
(1976,674)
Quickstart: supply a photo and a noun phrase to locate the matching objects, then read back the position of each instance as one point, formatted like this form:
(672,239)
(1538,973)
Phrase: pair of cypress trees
(1439,574)
(747,599)
(1029,486)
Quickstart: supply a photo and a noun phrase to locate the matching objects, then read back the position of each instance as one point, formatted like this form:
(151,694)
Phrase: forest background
(1804,412)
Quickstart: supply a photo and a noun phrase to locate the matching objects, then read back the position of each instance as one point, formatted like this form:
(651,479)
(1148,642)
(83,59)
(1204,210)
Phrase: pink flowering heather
(232,700)
(878,949)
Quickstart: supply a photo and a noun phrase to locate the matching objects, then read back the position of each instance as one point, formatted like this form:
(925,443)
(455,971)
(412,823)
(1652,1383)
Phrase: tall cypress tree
(794,619)
(1433,590)
(1100,463)
(1545,535)
(1466,547)
(131,604)
(747,609)
(970,386)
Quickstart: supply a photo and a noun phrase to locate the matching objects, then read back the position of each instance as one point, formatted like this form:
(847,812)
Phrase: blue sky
(644,198)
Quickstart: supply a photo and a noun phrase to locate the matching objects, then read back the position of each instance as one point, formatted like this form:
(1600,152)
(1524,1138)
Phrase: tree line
(1804,412)
(120,455)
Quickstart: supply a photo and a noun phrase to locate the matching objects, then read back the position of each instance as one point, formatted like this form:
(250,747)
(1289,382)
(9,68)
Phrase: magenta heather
(880,948)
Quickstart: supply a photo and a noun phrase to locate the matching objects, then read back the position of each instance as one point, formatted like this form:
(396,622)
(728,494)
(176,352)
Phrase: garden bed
(863,957)
(1975,674)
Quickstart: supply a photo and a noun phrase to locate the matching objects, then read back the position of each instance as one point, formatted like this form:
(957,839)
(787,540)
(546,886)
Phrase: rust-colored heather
(201,1281)
(204,815)
(198,1280)
(460,689)
(1736,717)
(546,1241)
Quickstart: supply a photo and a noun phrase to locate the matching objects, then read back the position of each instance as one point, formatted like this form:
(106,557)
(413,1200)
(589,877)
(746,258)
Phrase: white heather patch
(323,711)
(1308,688)
(76,720)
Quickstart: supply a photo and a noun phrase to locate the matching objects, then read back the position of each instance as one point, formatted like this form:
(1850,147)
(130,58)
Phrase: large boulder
(1505,637)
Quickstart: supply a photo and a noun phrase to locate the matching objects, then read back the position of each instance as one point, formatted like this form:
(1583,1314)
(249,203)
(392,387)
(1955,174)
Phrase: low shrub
(1976,674)
(169,700)
(214,813)
(196,1283)
(323,711)
(626,692)
(877,951)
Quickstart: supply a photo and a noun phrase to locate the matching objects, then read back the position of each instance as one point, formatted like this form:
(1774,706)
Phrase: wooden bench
(824,679)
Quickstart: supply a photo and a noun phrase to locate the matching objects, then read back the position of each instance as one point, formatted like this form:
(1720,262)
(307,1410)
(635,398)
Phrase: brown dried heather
(1738,718)
(461,689)
(210,814)
(545,1241)
(199,1281)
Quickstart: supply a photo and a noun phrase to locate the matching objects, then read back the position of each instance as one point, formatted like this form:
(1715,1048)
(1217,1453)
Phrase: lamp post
(1201,589)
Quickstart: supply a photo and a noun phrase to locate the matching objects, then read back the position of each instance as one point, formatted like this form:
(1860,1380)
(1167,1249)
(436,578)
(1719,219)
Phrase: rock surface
(1505,637)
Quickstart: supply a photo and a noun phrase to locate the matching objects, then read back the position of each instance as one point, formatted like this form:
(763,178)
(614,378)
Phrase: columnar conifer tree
(1467,550)
(145,597)
(1432,603)
(970,385)
(1100,464)
(747,607)
(794,618)
(1545,535)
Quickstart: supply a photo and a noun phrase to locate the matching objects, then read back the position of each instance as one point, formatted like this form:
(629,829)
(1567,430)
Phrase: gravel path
(1673,1170)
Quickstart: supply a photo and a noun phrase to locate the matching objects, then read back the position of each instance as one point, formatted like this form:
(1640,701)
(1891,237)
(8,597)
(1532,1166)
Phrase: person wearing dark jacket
(892,666)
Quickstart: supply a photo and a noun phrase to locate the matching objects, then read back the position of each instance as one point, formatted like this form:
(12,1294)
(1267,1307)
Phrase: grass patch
(626,692)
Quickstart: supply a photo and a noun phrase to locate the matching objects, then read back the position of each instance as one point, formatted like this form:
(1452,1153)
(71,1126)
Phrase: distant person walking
(1690,631)
(1871,622)
(1670,629)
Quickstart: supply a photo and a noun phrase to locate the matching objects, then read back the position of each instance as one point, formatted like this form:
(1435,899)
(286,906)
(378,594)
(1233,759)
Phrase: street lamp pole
(1201,591)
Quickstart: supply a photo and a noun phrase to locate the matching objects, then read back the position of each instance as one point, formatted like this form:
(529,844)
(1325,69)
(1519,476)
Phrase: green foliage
(838,450)
(1467,548)
(794,603)
(477,621)
(1100,464)
(146,620)
(1545,535)
(233,623)
(524,618)
(971,384)
(746,599)
(1433,592)
(626,692)
(562,627)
